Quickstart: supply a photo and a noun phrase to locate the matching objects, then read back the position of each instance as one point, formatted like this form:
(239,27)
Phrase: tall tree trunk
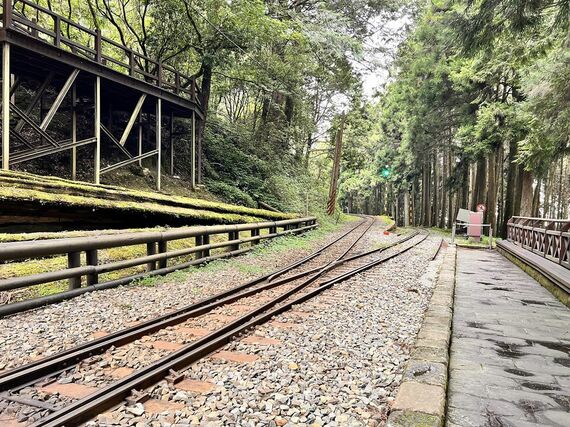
(201,125)
(435,210)
(526,193)
(501,184)
(536,199)
(509,202)
(492,191)
(442,198)
(464,200)
(480,193)
(450,191)
(560,186)
(406,208)
(426,186)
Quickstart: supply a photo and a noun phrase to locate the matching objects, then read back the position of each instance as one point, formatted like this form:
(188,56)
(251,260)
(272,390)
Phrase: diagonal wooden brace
(115,141)
(39,93)
(132,120)
(59,99)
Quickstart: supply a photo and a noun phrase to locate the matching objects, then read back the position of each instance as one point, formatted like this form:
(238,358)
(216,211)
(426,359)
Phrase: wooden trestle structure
(98,78)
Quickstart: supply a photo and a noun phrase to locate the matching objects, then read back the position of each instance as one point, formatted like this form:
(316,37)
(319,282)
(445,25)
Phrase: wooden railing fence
(549,238)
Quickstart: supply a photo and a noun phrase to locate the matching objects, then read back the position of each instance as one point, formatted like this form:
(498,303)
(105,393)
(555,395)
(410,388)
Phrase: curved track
(298,282)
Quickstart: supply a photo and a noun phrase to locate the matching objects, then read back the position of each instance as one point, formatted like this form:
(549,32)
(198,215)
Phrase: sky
(379,53)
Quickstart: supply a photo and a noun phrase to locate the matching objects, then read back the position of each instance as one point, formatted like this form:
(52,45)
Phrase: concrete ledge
(558,289)
(422,395)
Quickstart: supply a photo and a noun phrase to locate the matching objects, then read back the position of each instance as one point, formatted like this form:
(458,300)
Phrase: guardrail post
(255,233)
(73,261)
(233,235)
(199,241)
(151,250)
(206,241)
(92,258)
(162,248)
(272,229)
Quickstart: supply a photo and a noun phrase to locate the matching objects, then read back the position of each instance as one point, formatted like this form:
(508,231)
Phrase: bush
(230,194)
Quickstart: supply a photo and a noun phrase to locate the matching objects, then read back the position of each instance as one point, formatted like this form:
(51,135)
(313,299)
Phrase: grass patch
(249,269)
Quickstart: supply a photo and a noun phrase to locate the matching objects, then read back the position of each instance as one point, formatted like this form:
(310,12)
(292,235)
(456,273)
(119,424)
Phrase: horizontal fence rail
(84,277)
(549,238)
(42,24)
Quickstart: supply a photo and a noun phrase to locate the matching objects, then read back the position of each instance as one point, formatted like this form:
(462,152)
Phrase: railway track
(271,295)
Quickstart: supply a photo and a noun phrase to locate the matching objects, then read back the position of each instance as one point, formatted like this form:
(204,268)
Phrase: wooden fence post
(73,261)
(151,250)
(92,258)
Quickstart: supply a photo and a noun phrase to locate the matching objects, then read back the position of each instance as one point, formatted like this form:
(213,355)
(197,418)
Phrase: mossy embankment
(32,202)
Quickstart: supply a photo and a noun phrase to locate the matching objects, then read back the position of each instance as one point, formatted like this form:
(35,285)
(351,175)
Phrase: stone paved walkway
(510,352)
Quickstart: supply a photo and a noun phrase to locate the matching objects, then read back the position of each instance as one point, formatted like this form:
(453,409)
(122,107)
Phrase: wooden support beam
(20,138)
(59,99)
(140,138)
(40,92)
(132,120)
(74,132)
(129,161)
(97,124)
(27,119)
(115,141)
(171,145)
(193,150)
(42,152)
(5,105)
(158,142)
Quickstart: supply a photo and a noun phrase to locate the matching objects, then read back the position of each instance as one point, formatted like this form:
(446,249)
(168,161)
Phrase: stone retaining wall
(422,395)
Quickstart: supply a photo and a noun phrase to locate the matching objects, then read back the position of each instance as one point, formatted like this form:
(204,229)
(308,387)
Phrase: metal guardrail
(549,238)
(156,259)
(45,25)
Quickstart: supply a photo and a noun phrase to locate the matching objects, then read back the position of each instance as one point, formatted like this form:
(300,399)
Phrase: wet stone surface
(510,352)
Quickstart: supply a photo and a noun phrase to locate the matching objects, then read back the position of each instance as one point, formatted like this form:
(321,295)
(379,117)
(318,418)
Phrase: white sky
(380,50)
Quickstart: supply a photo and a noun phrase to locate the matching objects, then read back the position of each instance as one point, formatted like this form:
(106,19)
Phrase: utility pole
(336,168)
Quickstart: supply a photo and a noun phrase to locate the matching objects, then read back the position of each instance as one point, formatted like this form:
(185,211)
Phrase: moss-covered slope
(39,202)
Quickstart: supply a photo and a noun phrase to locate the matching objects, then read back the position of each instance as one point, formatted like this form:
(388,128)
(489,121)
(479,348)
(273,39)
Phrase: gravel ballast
(41,332)
(336,360)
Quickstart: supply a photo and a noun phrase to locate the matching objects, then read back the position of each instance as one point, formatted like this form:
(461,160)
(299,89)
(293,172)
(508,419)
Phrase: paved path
(510,353)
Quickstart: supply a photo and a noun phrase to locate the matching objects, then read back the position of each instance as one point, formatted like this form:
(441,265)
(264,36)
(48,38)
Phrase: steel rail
(437,250)
(84,409)
(65,359)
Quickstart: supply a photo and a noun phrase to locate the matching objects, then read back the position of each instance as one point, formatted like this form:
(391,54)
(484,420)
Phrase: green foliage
(230,193)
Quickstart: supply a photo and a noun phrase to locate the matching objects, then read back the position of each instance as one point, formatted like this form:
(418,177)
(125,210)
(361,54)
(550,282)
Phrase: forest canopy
(476,108)
(477,112)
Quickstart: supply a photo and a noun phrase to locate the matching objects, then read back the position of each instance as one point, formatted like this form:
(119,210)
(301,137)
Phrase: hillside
(39,203)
